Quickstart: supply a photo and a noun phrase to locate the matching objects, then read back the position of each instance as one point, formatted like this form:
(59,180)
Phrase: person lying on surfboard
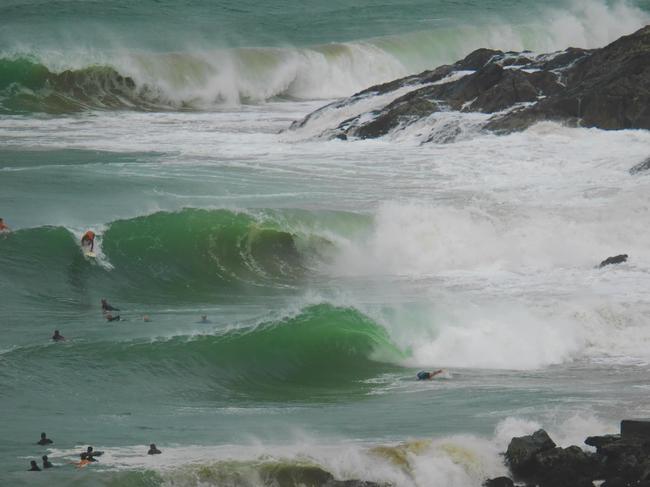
(422,375)
(88,240)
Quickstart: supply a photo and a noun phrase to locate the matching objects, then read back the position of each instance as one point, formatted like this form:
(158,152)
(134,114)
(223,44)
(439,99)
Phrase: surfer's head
(43,434)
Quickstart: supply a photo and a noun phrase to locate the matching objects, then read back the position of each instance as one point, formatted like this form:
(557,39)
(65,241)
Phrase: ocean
(330,271)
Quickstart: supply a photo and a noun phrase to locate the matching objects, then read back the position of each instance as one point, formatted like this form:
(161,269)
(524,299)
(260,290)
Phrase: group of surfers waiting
(85,458)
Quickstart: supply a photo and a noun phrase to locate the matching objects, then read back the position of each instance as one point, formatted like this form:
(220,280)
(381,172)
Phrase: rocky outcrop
(499,482)
(608,88)
(619,461)
(522,452)
(616,259)
(640,167)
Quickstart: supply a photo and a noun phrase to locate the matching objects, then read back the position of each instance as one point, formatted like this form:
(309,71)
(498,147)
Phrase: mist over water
(330,271)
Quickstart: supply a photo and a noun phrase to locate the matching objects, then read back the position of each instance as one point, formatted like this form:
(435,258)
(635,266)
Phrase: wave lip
(70,79)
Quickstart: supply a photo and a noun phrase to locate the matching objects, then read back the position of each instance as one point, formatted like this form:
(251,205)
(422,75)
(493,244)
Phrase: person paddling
(423,375)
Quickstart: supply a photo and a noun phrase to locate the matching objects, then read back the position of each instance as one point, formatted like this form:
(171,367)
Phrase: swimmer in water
(153,450)
(204,319)
(57,337)
(46,462)
(33,466)
(422,375)
(44,440)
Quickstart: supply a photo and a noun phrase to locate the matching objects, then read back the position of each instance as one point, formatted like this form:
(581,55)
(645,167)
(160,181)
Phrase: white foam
(455,460)
(204,79)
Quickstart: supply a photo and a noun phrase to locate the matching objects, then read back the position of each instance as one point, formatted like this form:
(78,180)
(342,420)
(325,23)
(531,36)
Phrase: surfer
(46,462)
(153,450)
(88,239)
(204,319)
(33,466)
(107,307)
(91,454)
(422,375)
(83,460)
(44,440)
(4,228)
(57,337)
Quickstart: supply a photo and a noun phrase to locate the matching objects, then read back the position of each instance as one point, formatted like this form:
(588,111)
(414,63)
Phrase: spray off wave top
(83,76)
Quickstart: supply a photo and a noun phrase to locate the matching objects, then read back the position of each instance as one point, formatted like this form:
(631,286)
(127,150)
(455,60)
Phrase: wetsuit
(424,375)
(88,239)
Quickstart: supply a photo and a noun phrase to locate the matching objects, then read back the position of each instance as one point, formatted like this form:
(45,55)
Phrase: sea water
(330,271)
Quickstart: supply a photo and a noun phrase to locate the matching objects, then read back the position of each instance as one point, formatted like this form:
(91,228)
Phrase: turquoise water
(330,271)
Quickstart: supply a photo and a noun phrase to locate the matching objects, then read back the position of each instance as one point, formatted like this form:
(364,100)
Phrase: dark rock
(618,259)
(499,482)
(561,60)
(429,76)
(634,428)
(570,467)
(521,452)
(516,61)
(615,482)
(477,59)
(352,483)
(601,441)
(608,88)
(642,166)
(401,111)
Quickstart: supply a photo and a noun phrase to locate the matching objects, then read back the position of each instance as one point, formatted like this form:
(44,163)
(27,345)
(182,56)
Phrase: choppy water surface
(330,271)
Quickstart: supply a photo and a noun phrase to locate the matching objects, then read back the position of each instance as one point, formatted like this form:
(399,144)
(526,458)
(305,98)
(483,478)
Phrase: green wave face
(202,249)
(27,86)
(188,255)
(321,352)
(278,473)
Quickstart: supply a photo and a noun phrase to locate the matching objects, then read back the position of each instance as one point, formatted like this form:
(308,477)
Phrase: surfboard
(89,254)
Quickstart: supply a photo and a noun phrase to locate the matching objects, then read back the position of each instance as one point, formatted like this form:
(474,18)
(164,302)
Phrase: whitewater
(330,271)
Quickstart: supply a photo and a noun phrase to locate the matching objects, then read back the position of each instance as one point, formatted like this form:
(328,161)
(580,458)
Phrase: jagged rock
(352,483)
(570,467)
(608,88)
(521,452)
(642,166)
(617,259)
(477,59)
(403,110)
(499,482)
(635,428)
